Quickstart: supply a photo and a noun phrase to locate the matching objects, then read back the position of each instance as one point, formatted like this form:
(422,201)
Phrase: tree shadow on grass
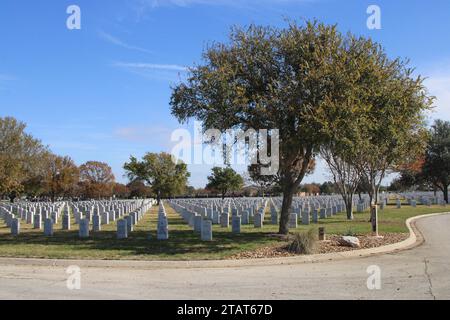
(181,242)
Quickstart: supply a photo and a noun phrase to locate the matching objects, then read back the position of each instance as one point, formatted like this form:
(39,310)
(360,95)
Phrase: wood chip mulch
(329,246)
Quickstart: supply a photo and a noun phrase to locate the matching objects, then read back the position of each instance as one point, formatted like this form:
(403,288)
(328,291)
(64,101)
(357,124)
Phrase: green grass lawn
(183,244)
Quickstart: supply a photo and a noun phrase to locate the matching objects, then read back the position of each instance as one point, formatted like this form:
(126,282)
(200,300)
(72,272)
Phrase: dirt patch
(329,246)
(367,242)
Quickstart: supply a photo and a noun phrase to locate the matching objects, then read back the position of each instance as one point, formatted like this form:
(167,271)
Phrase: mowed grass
(183,243)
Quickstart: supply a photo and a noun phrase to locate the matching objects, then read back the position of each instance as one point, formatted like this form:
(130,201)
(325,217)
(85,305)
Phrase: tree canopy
(21,157)
(165,176)
(97,179)
(316,86)
(436,167)
(224,180)
(61,177)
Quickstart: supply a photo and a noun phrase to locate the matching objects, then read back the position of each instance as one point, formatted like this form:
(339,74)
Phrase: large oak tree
(313,84)
(267,78)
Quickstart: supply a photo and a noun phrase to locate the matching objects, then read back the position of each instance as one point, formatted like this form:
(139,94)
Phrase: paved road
(420,273)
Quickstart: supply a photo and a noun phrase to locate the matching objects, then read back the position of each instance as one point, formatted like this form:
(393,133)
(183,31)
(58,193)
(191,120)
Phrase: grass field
(183,244)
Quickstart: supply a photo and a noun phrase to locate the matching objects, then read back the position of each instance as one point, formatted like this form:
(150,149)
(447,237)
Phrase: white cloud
(116,41)
(230,3)
(6,77)
(70,146)
(143,6)
(160,72)
(142,134)
(186,3)
(151,66)
(439,86)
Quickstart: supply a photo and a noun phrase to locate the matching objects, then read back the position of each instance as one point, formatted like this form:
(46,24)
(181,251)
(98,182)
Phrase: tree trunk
(349,206)
(371,193)
(446,193)
(158,197)
(373,196)
(288,195)
(374,218)
(376,191)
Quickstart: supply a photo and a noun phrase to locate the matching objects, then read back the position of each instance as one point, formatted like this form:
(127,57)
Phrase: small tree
(97,180)
(121,191)
(262,182)
(160,172)
(328,187)
(436,168)
(345,175)
(138,189)
(310,188)
(224,180)
(61,176)
(391,128)
(394,129)
(411,175)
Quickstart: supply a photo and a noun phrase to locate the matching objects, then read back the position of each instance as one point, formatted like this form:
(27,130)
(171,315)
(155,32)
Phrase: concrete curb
(415,239)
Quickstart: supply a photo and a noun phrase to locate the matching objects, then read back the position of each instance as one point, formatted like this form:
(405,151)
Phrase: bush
(350,233)
(303,242)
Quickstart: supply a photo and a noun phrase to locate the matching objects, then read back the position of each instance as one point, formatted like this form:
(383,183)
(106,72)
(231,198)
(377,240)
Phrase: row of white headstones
(421,198)
(199,214)
(90,215)
(202,214)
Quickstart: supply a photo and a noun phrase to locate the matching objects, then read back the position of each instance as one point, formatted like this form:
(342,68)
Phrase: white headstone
(236,224)
(48,227)
(15,227)
(37,222)
(122,229)
(206,232)
(84,228)
(96,223)
(292,221)
(66,222)
(258,220)
(225,220)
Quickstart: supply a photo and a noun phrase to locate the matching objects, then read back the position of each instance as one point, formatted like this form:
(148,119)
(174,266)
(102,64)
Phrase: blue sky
(102,92)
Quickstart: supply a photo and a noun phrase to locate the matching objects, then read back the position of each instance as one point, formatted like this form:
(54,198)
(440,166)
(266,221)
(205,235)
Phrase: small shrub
(350,233)
(303,242)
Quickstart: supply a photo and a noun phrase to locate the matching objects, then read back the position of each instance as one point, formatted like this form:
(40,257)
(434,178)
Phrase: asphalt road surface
(419,273)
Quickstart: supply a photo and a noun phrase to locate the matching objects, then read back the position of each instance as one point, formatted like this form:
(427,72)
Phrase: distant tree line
(430,170)
(28,168)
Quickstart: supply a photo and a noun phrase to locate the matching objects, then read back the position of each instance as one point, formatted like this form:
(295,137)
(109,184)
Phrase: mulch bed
(329,246)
